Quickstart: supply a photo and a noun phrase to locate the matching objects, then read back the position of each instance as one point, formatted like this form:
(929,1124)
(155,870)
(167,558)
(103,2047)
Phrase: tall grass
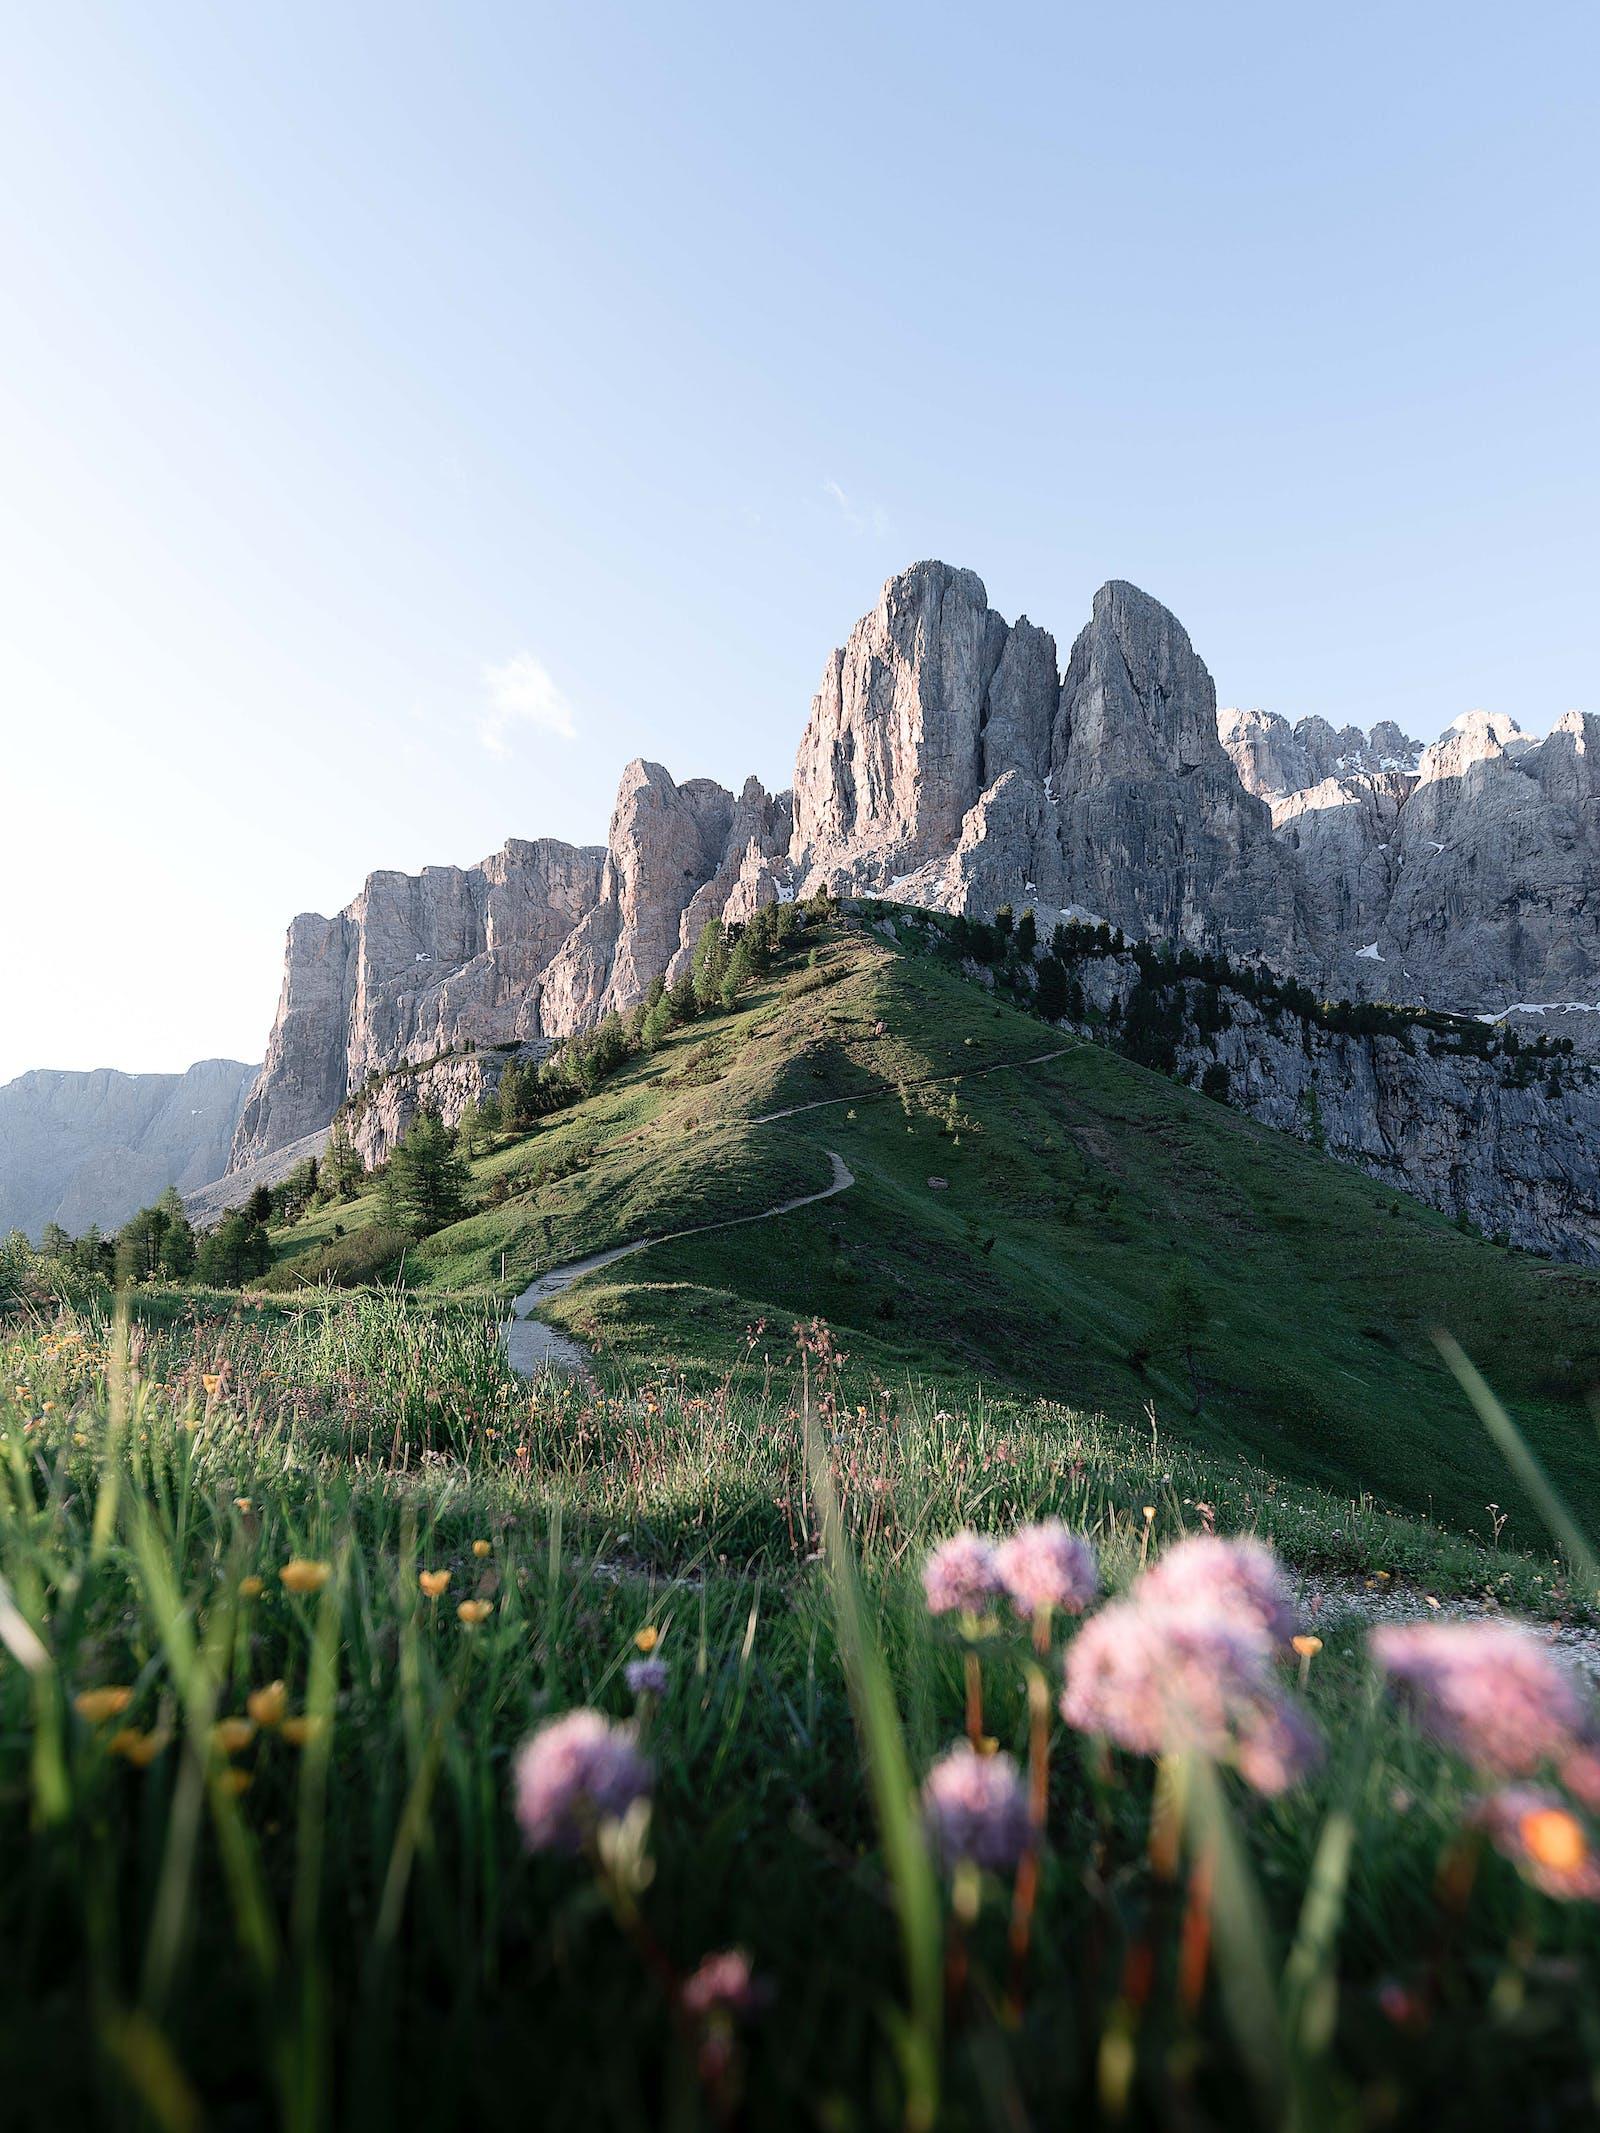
(332,1922)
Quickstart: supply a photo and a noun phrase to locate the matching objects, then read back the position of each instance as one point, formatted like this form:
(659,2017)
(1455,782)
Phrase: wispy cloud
(521,692)
(859,517)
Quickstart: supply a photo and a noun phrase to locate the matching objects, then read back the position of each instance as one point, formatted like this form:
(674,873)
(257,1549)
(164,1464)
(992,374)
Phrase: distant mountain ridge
(92,1147)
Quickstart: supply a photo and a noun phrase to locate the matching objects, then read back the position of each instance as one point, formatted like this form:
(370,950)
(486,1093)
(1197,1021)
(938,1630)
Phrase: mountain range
(952,760)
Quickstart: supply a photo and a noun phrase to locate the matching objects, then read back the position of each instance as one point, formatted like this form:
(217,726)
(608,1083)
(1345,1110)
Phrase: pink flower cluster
(961,1576)
(1493,1694)
(1157,1675)
(1041,1568)
(1237,1577)
(724,1984)
(976,1809)
(1048,1567)
(574,1774)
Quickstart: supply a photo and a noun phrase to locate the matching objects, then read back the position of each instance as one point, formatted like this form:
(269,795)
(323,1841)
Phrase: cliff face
(950,761)
(1509,1144)
(93,1147)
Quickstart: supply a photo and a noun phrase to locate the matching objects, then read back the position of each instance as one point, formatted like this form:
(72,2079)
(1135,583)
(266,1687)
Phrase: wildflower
(1045,1567)
(723,1984)
(1156,1676)
(433,1582)
(961,1576)
(235,1781)
(140,1749)
(472,1612)
(267,1706)
(976,1808)
(250,1588)
(646,1677)
(647,1638)
(1488,1691)
(300,1732)
(97,1706)
(243,1503)
(303,1575)
(481,1548)
(574,1775)
(1307,1647)
(1546,1843)
(213,1385)
(1238,1576)
(231,1736)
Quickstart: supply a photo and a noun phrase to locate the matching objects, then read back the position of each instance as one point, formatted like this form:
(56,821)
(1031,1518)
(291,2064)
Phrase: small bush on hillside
(365,1255)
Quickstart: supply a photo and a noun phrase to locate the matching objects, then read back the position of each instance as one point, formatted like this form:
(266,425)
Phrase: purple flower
(1046,1566)
(574,1774)
(1239,1576)
(1544,1840)
(961,1576)
(976,1808)
(647,1677)
(724,1984)
(1489,1691)
(1156,1676)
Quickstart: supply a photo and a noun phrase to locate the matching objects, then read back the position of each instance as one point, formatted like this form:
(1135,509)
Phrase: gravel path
(1328,1600)
(533,1347)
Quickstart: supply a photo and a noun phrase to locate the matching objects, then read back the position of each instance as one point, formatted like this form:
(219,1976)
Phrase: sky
(409,414)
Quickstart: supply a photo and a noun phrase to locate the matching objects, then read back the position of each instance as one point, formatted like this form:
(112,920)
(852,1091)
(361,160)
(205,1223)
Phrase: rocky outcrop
(378,1117)
(947,763)
(538,941)
(85,1148)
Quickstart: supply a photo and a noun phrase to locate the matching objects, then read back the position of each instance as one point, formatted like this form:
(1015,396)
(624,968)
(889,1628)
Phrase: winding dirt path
(532,1347)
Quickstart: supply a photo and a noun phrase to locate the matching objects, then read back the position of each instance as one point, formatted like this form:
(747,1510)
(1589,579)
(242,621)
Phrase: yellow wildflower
(433,1582)
(243,1503)
(299,1731)
(481,1548)
(250,1588)
(303,1575)
(231,1736)
(267,1706)
(213,1385)
(1307,1647)
(472,1612)
(647,1638)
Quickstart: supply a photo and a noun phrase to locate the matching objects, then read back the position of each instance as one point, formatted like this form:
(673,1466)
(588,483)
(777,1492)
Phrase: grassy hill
(1077,1227)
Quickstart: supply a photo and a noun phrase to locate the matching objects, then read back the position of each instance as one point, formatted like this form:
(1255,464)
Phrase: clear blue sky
(409,413)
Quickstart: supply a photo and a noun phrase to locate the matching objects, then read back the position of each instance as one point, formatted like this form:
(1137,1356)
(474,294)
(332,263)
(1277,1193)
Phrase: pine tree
(259,1205)
(710,965)
(425,1184)
(341,1164)
(1027,934)
(177,1249)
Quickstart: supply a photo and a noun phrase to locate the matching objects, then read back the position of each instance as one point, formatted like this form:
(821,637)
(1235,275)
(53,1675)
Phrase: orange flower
(1307,1647)
(298,1732)
(481,1548)
(231,1736)
(140,1749)
(250,1588)
(267,1706)
(647,1638)
(1555,1839)
(303,1575)
(97,1706)
(433,1582)
(213,1385)
(243,1503)
(472,1612)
